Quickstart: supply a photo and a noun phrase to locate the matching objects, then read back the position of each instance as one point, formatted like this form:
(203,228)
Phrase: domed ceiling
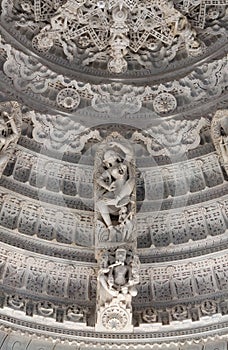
(114,165)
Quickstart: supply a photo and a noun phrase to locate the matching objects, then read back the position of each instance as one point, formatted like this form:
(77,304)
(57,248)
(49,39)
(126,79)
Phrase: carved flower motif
(114,318)
(68,98)
(164,103)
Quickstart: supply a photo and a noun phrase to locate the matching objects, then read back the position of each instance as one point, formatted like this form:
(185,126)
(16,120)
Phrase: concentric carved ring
(114,318)
(68,98)
(164,103)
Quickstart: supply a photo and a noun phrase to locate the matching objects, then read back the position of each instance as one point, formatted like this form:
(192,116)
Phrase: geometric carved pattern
(70,25)
(112,35)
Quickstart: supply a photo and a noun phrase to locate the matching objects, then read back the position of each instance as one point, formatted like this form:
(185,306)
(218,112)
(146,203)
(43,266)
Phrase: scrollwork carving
(162,139)
(61,133)
(116,98)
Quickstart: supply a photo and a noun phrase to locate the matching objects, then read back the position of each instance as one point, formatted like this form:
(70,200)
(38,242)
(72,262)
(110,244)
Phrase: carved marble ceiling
(79,78)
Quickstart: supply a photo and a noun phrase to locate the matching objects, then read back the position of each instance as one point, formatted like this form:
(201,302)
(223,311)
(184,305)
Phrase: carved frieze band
(192,176)
(162,286)
(29,341)
(74,226)
(174,96)
(39,276)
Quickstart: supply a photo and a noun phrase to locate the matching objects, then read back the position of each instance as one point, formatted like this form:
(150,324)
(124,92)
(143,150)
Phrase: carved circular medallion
(42,42)
(114,318)
(149,315)
(164,103)
(68,98)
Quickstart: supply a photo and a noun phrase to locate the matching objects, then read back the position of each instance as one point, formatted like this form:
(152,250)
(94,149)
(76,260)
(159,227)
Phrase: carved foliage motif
(61,133)
(118,99)
(31,77)
(173,138)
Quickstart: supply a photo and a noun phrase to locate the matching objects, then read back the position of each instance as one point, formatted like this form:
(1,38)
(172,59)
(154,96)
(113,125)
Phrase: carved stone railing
(197,178)
(183,225)
(39,275)
(38,170)
(46,222)
(72,226)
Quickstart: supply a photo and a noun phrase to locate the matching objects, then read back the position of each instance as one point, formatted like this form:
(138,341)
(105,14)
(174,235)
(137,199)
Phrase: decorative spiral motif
(114,318)
(68,98)
(164,103)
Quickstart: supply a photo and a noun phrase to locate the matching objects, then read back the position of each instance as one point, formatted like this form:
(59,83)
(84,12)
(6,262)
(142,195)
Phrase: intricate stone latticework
(115,34)
(112,29)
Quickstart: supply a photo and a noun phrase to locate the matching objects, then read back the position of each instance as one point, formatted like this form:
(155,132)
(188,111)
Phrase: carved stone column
(115,234)
(10,129)
(219,132)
